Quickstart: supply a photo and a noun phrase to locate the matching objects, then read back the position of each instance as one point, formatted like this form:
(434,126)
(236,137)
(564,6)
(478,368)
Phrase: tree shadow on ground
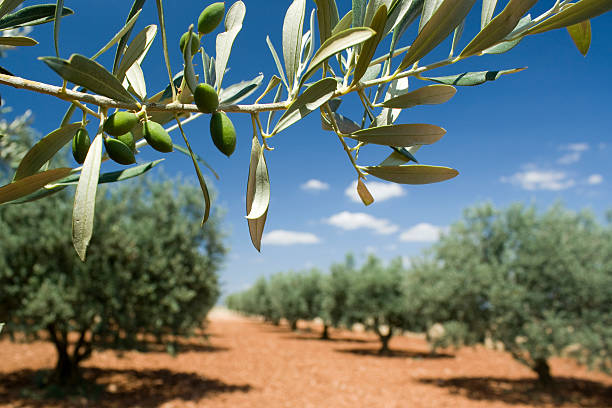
(112,388)
(527,391)
(395,353)
(338,339)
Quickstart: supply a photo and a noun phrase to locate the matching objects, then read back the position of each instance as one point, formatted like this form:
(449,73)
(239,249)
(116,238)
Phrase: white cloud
(380,191)
(314,185)
(422,232)
(595,179)
(534,179)
(355,220)
(575,153)
(284,237)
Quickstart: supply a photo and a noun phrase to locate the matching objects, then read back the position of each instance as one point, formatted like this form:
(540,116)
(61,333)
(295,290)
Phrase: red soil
(246,363)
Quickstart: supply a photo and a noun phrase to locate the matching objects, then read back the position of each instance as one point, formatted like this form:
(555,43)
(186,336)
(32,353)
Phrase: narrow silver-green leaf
(256,226)
(137,49)
(113,176)
(261,189)
(345,125)
(335,44)
(82,71)
(136,78)
(429,8)
(237,92)
(134,12)
(9,5)
(17,41)
(400,135)
(344,23)
(127,27)
(369,47)
(401,155)
(488,8)
(85,198)
(448,16)
(271,114)
(364,193)
(327,17)
(59,8)
(311,99)
(456,37)
(31,16)
(30,184)
(506,46)
(398,11)
(44,150)
(225,41)
(412,174)
(427,95)
(472,78)
(279,66)
(292,38)
(416,7)
(273,83)
(359,9)
(581,35)
(189,72)
(499,27)
(573,14)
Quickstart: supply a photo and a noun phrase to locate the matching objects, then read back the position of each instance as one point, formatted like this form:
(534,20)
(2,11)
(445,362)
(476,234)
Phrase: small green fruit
(128,139)
(80,145)
(223,133)
(206,98)
(119,151)
(157,137)
(195,42)
(211,17)
(120,123)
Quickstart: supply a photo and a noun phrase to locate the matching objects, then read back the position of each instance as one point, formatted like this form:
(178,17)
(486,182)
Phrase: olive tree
(539,283)
(151,272)
(371,50)
(336,289)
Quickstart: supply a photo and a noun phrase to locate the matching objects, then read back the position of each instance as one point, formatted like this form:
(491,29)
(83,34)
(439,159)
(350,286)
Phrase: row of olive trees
(538,284)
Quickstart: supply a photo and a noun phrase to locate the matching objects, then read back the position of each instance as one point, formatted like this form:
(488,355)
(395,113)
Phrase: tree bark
(293,324)
(542,368)
(325,334)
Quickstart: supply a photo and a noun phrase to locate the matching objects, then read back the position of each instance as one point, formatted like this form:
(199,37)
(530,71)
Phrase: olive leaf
(59,8)
(335,44)
(572,14)
(273,83)
(85,198)
(118,36)
(17,41)
(447,16)
(279,66)
(327,17)
(427,95)
(137,50)
(581,35)
(510,43)
(89,74)
(400,135)
(292,37)
(112,176)
(30,184)
(369,47)
(134,12)
(189,72)
(499,27)
(359,10)
(136,78)
(311,99)
(345,125)
(31,15)
(344,23)
(260,192)
(397,12)
(412,174)
(472,78)
(256,226)
(364,193)
(429,8)
(9,5)
(44,150)
(401,156)
(237,92)
(233,25)
(488,8)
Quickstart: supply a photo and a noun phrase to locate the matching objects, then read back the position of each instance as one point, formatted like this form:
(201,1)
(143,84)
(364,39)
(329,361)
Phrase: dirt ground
(246,363)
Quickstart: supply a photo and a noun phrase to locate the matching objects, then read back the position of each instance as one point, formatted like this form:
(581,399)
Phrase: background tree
(537,283)
(336,289)
(152,271)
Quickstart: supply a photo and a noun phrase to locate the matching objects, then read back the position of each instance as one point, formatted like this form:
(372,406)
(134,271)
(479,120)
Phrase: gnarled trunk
(67,367)
(325,334)
(542,368)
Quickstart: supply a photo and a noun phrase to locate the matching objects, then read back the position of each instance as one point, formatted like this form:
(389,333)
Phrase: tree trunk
(384,340)
(293,324)
(67,367)
(325,334)
(542,368)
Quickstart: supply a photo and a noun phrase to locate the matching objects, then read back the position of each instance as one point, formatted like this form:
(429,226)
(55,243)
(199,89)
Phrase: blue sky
(539,136)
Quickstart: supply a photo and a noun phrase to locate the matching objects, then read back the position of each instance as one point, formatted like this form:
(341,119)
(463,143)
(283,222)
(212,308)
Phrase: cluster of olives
(120,145)
(205,97)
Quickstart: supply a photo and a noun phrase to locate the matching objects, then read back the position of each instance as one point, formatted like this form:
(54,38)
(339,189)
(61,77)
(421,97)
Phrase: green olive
(119,151)
(211,17)
(128,139)
(223,133)
(80,145)
(156,136)
(195,42)
(120,123)
(206,98)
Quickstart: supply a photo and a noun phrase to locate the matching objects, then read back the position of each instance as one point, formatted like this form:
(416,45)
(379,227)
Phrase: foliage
(537,283)
(151,274)
(346,57)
